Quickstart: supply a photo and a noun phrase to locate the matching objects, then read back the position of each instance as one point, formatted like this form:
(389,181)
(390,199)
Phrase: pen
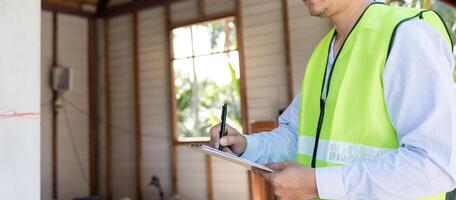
(223,125)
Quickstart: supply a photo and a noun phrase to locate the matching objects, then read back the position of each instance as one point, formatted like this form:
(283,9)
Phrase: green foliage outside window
(206,75)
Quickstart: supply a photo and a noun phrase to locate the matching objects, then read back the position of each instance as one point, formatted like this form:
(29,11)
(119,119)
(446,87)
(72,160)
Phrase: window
(446,11)
(206,75)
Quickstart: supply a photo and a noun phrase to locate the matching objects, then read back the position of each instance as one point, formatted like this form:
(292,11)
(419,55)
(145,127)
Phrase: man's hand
(291,181)
(233,140)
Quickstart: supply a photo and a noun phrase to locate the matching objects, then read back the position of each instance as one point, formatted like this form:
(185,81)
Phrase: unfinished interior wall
(264,58)
(122,104)
(155,113)
(305,33)
(72,122)
(156,137)
(191,174)
(265,69)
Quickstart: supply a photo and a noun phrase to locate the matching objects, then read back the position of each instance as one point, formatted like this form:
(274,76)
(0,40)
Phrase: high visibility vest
(352,125)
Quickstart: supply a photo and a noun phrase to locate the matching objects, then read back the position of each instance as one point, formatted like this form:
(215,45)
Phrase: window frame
(243,101)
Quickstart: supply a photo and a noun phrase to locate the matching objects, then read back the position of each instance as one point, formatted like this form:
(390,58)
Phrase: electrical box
(60,78)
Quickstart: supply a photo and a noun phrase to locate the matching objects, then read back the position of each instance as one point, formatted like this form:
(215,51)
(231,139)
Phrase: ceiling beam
(102,5)
(129,7)
(55,7)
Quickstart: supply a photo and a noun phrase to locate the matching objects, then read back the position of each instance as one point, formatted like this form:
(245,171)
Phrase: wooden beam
(203,19)
(129,7)
(93,2)
(92,100)
(210,191)
(286,31)
(54,109)
(68,4)
(102,5)
(137,96)
(240,39)
(108,125)
(54,7)
(202,8)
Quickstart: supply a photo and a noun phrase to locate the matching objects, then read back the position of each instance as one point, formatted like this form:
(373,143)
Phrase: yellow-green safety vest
(352,125)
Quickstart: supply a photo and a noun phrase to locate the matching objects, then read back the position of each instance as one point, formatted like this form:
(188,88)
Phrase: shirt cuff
(251,152)
(330,184)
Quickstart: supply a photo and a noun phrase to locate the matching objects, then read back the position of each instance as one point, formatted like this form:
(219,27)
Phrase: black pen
(223,125)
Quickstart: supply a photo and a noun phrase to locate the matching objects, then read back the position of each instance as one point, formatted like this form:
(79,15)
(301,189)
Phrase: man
(376,117)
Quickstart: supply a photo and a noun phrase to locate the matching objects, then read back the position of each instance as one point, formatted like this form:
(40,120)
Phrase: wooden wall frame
(108,130)
(243,79)
(92,99)
(286,32)
(209,182)
(137,96)
(54,108)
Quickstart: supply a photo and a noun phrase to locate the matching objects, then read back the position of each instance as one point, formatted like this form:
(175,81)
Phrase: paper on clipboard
(228,157)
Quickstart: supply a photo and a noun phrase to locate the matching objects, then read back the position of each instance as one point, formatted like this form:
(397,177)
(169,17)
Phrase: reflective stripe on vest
(340,153)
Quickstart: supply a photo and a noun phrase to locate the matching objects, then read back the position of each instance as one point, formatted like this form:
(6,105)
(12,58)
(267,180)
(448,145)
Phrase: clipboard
(228,157)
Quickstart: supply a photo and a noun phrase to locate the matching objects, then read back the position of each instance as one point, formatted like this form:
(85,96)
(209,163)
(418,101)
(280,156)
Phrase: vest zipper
(317,136)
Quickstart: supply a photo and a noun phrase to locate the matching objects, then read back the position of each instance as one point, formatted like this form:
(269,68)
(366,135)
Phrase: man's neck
(346,18)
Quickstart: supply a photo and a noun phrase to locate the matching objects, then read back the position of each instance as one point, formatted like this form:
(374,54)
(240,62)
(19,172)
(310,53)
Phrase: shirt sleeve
(420,98)
(279,144)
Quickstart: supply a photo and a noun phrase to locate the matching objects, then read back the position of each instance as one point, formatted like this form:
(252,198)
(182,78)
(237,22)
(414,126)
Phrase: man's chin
(317,13)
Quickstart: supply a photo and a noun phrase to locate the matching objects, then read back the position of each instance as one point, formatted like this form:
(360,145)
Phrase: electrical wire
(112,126)
(73,144)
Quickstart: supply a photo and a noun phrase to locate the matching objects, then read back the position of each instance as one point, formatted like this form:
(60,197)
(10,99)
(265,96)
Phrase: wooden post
(137,96)
(210,193)
(92,100)
(286,31)
(244,111)
(107,77)
(54,109)
(202,9)
(240,38)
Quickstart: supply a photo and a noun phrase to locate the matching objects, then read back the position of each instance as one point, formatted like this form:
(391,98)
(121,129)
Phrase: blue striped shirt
(420,97)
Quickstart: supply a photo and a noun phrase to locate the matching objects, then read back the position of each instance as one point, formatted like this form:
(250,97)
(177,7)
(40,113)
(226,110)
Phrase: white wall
(20,91)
